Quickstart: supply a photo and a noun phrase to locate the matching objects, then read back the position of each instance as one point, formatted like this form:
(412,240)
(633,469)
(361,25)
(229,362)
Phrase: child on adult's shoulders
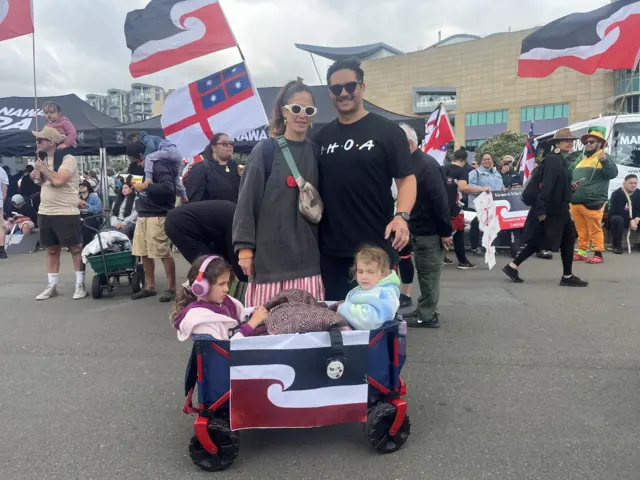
(53,114)
(376,299)
(205,308)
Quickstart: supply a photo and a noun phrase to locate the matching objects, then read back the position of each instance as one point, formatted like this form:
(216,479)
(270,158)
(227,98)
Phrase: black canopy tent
(17,121)
(114,137)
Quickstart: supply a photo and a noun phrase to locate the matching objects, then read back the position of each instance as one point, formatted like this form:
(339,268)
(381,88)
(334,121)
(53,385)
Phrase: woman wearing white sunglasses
(277,247)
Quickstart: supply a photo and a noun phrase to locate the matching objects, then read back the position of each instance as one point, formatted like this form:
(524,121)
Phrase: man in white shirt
(4,187)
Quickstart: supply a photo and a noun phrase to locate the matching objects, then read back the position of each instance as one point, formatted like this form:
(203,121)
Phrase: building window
(622,79)
(494,117)
(471,145)
(544,112)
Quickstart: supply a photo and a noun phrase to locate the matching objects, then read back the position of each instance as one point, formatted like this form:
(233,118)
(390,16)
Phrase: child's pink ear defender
(200,286)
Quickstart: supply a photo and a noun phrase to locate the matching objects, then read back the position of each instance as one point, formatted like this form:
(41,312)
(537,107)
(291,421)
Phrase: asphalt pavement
(531,381)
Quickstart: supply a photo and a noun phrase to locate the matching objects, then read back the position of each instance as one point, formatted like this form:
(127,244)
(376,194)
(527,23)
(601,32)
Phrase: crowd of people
(328,215)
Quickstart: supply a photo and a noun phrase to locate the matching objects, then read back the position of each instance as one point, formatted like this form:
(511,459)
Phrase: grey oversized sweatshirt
(267,219)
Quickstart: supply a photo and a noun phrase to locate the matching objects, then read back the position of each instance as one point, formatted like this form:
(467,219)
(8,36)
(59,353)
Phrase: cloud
(80,45)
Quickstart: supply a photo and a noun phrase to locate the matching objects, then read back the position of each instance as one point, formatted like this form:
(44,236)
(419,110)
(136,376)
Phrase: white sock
(80,278)
(53,279)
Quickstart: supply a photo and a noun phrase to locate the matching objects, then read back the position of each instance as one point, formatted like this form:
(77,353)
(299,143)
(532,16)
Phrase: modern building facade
(476,79)
(140,103)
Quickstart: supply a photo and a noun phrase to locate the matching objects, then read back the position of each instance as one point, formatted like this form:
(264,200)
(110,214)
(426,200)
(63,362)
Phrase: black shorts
(60,230)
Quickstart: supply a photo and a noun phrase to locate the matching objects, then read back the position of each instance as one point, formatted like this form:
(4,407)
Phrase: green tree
(507,143)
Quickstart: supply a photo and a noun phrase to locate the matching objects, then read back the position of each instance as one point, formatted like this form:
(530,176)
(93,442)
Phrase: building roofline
(336,53)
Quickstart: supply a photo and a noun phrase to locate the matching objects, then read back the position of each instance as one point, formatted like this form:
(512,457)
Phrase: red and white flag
(528,158)
(603,38)
(224,102)
(438,133)
(170,32)
(15,18)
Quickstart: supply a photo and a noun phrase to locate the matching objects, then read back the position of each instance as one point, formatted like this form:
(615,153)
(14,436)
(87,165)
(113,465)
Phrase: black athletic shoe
(433,323)
(3,254)
(466,266)
(617,251)
(405,301)
(512,273)
(573,281)
(448,261)
(545,255)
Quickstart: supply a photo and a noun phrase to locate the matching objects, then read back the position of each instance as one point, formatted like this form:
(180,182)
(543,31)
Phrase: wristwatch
(405,216)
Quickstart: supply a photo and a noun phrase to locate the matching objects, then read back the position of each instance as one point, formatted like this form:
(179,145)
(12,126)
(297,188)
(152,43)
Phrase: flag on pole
(528,158)
(16,18)
(170,32)
(438,133)
(225,101)
(603,38)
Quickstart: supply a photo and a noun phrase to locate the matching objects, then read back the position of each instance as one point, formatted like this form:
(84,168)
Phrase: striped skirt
(259,293)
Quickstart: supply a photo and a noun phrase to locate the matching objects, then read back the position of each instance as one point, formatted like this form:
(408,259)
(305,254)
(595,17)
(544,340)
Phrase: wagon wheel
(137,279)
(97,285)
(228,444)
(379,421)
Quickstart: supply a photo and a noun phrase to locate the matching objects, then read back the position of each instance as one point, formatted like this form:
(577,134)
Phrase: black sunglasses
(224,144)
(350,87)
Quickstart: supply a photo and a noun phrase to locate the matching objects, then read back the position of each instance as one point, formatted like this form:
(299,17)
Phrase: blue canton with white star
(212,88)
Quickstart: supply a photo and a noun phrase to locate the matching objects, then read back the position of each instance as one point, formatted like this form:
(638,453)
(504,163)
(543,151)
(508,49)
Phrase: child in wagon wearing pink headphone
(204,308)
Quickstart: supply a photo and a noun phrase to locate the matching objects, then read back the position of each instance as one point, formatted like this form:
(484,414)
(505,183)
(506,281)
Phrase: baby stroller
(110,265)
(296,381)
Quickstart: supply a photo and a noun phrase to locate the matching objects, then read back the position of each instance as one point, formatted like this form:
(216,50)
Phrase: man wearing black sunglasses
(361,154)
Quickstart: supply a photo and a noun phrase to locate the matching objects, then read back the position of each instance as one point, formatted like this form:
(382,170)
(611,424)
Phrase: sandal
(143,294)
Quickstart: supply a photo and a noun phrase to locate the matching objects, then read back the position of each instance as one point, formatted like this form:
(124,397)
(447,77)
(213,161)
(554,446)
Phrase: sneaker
(81,292)
(447,261)
(512,273)
(545,255)
(3,254)
(405,301)
(478,251)
(433,323)
(466,266)
(617,251)
(143,294)
(595,260)
(47,293)
(579,258)
(573,281)
(167,296)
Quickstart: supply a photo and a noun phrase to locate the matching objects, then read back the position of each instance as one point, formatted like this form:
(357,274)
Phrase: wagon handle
(97,230)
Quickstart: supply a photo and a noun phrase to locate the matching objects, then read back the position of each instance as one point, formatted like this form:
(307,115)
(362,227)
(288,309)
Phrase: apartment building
(140,103)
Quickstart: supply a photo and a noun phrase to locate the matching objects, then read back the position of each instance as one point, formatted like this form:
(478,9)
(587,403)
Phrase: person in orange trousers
(590,180)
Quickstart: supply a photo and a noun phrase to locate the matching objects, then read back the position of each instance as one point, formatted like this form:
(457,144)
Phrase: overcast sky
(80,44)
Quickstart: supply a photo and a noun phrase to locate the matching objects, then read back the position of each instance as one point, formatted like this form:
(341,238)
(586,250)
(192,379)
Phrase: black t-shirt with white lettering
(454,173)
(357,165)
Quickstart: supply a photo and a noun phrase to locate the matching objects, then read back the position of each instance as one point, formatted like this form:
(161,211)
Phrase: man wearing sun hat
(590,179)
(548,225)
(58,216)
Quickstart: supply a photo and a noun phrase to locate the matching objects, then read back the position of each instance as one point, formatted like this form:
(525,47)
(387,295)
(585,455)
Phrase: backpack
(268,154)
(530,193)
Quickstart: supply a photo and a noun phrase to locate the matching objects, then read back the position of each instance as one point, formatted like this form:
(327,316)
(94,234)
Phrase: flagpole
(253,85)
(35,87)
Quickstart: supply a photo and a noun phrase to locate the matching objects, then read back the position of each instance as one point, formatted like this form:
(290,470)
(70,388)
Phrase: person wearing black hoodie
(216,177)
(156,198)
(431,232)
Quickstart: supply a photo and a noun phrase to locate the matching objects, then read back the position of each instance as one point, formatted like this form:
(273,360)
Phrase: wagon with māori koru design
(296,381)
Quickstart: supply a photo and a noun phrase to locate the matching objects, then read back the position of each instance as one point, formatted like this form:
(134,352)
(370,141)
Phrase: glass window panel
(523,114)
(491,118)
(482,118)
(548,112)
(539,113)
(474,119)
(557,111)
(565,110)
(468,120)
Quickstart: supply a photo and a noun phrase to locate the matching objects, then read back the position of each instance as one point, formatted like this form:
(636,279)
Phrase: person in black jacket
(621,214)
(204,228)
(216,177)
(430,227)
(156,198)
(549,225)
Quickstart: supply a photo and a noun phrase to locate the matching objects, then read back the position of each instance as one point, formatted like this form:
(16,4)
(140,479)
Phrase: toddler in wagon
(204,306)
(376,299)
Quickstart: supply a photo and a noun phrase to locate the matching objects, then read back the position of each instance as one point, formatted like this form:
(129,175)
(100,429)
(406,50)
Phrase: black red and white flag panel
(282,381)
(604,38)
(16,18)
(170,32)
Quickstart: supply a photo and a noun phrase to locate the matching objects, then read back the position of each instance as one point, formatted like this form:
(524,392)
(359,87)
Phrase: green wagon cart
(109,267)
